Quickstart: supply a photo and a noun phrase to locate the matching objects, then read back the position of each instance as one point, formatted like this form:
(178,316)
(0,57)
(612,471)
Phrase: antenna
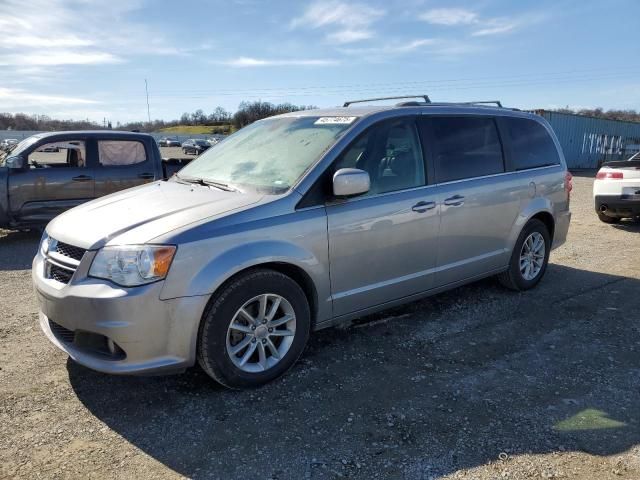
(146,88)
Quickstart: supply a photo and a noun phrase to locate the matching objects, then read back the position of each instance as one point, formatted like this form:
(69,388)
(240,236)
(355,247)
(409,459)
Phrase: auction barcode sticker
(334,120)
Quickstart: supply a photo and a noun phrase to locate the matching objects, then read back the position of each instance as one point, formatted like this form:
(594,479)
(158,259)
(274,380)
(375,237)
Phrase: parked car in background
(297,222)
(213,141)
(8,143)
(51,172)
(616,190)
(169,142)
(195,146)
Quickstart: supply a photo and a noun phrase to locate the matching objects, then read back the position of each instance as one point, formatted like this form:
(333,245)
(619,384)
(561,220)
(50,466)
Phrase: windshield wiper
(208,183)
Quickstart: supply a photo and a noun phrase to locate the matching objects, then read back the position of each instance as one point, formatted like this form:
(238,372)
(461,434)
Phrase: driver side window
(390,153)
(59,155)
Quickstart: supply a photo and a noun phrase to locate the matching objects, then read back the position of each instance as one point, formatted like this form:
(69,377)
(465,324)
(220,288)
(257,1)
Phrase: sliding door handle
(455,201)
(146,176)
(423,206)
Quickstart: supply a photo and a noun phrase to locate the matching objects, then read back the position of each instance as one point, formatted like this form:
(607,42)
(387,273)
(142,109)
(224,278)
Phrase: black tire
(212,339)
(607,219)
(512,278)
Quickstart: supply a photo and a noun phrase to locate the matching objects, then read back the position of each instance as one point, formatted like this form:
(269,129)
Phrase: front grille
(62,261)
(60,274)
(61,333)
(70,251)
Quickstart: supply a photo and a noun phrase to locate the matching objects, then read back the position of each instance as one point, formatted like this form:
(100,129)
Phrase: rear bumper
(619,206)
(561,229)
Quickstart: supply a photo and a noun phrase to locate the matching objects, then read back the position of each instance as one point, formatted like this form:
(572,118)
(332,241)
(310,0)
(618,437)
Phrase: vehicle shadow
(590,173)
(450,382)
(17,249)
(628,225)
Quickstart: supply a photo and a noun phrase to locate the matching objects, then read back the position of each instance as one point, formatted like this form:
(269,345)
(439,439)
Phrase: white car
(616,190)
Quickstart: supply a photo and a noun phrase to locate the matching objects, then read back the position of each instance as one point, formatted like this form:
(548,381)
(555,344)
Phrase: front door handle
(423,206)
(455,201)
(82,178)
(146,175)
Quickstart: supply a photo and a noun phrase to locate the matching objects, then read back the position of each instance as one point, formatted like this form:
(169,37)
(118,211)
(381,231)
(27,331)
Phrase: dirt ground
(174,152)
(476,383)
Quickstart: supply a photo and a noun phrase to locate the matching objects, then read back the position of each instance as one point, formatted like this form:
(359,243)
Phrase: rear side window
(465,147)
(531,144)
(120,152)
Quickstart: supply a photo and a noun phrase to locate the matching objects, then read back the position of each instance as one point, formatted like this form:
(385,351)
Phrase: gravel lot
(475,383)
(174,152)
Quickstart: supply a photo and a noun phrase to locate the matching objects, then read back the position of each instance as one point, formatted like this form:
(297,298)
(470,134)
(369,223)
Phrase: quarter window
(531,144)
(465,147)
(390,152)
(120,152)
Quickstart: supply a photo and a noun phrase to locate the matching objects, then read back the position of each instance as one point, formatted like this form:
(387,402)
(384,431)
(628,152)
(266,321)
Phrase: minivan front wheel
(254,330)
(529,258)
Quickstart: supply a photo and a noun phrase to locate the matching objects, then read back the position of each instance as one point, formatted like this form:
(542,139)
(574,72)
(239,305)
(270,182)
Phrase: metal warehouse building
(587,142)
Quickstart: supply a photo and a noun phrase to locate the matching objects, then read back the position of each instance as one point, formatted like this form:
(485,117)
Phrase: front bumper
(150,335)
(618,206)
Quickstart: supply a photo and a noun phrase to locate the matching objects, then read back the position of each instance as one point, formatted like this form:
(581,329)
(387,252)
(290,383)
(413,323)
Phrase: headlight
(44,244)
(133,265)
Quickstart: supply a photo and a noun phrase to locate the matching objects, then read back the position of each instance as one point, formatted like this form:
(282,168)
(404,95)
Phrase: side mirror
(16,162)
(348,182)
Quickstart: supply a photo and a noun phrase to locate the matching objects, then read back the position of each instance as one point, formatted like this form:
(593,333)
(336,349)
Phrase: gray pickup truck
(49,173)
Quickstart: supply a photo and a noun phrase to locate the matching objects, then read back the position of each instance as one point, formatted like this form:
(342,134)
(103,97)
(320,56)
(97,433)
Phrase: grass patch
(199,129)
(589,419)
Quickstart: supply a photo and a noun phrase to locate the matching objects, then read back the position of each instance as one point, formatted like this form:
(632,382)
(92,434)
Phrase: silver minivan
(297,222)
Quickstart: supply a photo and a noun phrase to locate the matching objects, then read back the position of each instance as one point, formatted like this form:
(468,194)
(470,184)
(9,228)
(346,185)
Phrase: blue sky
(89,58)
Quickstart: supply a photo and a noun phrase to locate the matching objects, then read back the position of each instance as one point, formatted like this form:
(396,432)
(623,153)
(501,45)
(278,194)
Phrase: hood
(140,214)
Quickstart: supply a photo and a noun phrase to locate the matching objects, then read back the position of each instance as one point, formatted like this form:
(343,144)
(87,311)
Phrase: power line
(578,74)
(402,87)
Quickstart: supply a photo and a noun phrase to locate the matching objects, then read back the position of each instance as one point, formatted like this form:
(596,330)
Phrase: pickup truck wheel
(607,219)
(529,258)
(254,329)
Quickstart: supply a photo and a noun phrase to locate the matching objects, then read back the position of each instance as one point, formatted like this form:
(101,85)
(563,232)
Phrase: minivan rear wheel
(254,329)
(529,258)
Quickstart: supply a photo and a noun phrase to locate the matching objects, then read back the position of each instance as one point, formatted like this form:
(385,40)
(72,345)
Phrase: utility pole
(146,88)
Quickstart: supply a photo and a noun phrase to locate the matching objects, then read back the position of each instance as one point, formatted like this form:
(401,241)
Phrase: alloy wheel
(261,333)
(532,256)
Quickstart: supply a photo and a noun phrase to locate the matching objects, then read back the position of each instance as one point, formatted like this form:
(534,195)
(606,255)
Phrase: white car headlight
(133,265)
(44,244)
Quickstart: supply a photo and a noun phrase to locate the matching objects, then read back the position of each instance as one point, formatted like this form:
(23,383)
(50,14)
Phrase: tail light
(606,174)
(568,182)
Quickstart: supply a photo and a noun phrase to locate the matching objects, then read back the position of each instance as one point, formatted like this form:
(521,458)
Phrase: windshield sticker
(334,120)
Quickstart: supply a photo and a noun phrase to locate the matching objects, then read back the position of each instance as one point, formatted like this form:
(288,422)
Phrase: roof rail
(482,102)
(426,99)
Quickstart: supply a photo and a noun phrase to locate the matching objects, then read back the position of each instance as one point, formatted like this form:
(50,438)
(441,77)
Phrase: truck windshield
(268,155)
(17,149)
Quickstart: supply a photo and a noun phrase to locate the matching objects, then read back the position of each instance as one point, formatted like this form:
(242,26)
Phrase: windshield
(17,149)
(271,154)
